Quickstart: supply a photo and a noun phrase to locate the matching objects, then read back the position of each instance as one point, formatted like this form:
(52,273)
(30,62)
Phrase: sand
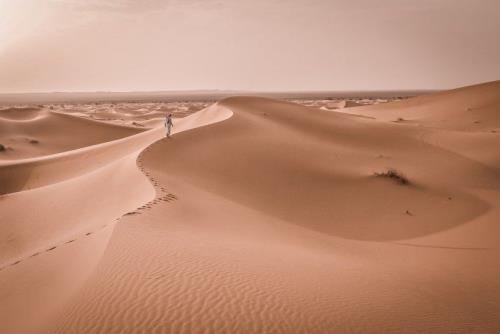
(36,132)
(260,216)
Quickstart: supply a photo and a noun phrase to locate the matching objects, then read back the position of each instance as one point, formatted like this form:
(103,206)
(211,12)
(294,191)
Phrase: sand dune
(32,133)
(470,108)
(331,160)
(264,216)
(19,113)
(130,113)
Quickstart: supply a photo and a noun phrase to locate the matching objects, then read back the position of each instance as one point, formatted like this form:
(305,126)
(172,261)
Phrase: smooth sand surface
(264,216)
(34,132)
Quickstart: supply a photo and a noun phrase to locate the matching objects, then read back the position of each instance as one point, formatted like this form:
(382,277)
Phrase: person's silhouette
(169,124)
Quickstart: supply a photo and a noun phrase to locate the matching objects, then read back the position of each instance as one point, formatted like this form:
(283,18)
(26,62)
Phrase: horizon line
(222,91)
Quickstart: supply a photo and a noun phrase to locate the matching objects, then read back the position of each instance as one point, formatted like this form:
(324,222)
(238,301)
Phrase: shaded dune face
(316,169)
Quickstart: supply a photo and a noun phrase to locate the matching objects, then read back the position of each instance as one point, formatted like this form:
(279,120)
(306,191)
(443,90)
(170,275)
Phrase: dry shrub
(394,175)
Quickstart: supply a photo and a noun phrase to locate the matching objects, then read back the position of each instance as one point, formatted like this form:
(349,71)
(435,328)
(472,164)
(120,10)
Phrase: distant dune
(32,132)
(257,216)
(19,113)
(200,95)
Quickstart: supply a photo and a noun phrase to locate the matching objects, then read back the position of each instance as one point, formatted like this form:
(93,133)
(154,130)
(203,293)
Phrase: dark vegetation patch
(395,175)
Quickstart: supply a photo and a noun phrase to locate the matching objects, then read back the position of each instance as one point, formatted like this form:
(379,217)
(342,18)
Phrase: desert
(258,215)
(249,166)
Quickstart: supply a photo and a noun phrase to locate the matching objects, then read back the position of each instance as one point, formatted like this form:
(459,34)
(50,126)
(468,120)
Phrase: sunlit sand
(259,215)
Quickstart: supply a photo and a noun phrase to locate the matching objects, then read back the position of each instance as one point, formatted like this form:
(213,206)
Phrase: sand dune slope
(280,159)
(473,108)
(19,113)
(275,220)
(57,214)
(37,172)
(53,237)
(464,120)
(38,132)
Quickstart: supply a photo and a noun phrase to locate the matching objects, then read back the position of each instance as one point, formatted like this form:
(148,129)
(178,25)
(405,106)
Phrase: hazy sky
(124,45)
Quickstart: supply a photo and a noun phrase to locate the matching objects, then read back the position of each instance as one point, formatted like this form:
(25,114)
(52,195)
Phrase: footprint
(70,241)
(131,213)
(89,233)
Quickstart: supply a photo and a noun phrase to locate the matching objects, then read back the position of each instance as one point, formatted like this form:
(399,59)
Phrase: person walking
(169,124)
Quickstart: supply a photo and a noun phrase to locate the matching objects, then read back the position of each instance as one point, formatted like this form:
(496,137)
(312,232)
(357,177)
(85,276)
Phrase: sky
(255,45)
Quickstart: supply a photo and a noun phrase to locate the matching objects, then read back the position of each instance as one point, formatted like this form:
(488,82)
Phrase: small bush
(394,175)
(2,148)
(34,141)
